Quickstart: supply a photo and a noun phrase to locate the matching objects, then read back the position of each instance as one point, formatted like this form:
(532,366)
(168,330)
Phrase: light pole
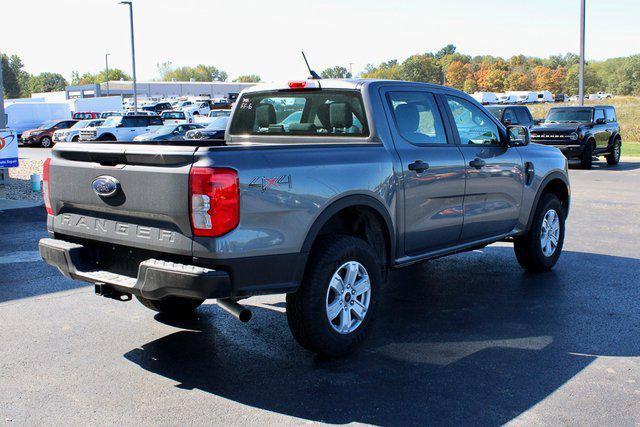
(581,77)
(133,57)
(106,61)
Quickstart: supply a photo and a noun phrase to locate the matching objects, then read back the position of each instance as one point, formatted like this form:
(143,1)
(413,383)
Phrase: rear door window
(417,117)
(303,112)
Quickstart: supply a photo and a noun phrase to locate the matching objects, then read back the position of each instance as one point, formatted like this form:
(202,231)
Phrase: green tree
(248,78)
(447,50)
(422,68)
(199,73)
(337,72)
(101,77)
(47,82)
(389,70)
(15,80)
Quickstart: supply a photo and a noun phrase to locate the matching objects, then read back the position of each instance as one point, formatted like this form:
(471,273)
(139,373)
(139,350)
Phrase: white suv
(121,128)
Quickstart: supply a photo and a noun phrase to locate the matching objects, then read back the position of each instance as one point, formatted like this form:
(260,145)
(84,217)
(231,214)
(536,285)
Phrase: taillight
(297,84)
(215,201)
(46,195)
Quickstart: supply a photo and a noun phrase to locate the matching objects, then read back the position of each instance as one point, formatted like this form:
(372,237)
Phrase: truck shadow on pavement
(466,339)
(601,165)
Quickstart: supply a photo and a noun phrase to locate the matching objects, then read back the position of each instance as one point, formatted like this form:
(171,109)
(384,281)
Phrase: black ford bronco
(584,133)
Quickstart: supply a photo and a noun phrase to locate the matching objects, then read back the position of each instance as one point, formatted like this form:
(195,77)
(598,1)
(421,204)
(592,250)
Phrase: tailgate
(150,209)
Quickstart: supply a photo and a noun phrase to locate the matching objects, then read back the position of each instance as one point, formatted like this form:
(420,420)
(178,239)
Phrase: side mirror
(538,121)
(600,121)
(506,122)
(518,136)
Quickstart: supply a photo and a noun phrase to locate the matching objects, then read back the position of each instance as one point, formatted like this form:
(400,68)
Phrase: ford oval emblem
(106,186)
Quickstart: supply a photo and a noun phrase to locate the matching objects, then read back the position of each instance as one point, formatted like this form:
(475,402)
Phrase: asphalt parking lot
(466,339)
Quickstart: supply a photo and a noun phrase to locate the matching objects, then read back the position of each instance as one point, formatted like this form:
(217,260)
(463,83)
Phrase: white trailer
(503,98)
(96,105)
(545,96)
(29,115)
(524,97)
(485,97)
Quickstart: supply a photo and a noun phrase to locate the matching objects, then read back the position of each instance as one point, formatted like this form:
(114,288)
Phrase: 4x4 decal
(264,183)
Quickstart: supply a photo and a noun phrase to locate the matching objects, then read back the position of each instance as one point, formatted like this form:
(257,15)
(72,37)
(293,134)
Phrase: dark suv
(512,114)
(582,133)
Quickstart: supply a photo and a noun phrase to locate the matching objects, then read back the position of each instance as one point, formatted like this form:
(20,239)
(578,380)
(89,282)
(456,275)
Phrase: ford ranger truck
(373,176)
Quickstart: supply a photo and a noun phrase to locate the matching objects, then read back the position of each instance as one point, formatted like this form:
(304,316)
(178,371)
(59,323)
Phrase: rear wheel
(172,306)
(333,309)
(616,149)
(45,142)
(586,160)
(540,248)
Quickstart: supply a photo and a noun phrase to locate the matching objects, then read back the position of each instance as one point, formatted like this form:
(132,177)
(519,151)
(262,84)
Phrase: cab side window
(473,125)
(417,117)
(509,115)
(524,118)
(610,115)
(599,114)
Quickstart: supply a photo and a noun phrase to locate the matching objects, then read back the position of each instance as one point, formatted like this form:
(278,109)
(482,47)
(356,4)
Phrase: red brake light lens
(297,84)
(46,195)
(214,194)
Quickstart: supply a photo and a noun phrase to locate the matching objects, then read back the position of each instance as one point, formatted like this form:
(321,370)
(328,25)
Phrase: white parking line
(20,256)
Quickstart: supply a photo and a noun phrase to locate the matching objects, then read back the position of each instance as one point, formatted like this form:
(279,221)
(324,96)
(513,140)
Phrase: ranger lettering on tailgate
(122,228)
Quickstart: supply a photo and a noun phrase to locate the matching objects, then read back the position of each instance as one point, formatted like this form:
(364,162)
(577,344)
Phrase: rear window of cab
(302,113)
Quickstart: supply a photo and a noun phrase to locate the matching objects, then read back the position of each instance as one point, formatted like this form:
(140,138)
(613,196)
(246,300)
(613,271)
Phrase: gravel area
(18,186)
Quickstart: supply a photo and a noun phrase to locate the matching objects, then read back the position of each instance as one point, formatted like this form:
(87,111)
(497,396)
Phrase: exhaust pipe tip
(238,311)
(245,315)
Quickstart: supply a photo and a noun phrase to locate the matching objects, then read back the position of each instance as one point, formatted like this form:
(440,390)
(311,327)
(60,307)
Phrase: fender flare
(547,179)
(346,202)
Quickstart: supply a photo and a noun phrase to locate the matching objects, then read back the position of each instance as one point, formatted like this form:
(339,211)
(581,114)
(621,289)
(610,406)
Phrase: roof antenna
(313,74)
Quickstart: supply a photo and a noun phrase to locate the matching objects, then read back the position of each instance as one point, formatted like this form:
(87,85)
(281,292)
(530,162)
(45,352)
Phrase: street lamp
(133,57)
(581,76)
(106,61)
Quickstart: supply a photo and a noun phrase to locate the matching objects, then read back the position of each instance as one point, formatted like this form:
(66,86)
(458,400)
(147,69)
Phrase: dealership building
(157,89)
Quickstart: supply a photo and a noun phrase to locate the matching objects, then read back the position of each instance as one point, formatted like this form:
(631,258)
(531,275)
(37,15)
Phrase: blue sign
(8,149)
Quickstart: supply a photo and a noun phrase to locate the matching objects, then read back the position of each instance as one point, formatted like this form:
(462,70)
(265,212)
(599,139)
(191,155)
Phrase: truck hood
(560,127)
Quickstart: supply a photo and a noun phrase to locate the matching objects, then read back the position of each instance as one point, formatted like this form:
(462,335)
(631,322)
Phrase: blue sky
(265,37)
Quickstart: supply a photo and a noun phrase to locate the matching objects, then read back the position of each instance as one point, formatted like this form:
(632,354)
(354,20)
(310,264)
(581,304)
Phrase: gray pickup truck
(318,190)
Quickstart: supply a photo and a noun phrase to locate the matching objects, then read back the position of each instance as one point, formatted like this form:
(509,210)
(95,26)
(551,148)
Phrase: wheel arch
(555,183)
(366,207)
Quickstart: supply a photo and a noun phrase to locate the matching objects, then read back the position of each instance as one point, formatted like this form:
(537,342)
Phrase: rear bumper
(156,279)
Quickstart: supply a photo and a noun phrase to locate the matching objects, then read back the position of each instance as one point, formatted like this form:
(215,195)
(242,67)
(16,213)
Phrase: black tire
(107,137)
(75,138)
(528,248)
(175,307)
(616,149)
(307,310)
(46,142)
(586,160)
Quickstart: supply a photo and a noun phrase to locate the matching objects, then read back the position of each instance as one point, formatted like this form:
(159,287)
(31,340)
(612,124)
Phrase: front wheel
(173,306)
(332,311)
(540,248)
(586,160)
(614,157)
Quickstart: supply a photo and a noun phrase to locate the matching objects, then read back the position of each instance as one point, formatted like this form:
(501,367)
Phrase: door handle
(477,163)
(418,166)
